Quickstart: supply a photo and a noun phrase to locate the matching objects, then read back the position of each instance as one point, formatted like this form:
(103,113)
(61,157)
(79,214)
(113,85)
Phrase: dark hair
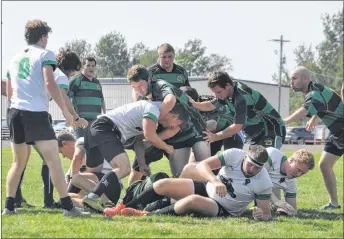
(258,153)
(219,78)
(68,61)
(64,136)
(164,48)
(192,92)
(89,58)
(34,30)
(137,73)
(179,109)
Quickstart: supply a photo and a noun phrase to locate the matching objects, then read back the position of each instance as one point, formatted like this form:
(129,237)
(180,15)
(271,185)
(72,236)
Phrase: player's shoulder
(154,68)
(179,69)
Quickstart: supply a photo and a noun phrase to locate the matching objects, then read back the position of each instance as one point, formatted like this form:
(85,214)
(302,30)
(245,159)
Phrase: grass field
(45,223)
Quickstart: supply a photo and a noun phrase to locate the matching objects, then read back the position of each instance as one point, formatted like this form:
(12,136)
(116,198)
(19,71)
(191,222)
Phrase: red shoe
(133,212)
(114,211)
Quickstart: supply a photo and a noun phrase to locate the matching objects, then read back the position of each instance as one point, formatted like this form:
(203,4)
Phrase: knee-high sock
(19,196)
(110,186)
(147,196)
(169,210)
(48,186)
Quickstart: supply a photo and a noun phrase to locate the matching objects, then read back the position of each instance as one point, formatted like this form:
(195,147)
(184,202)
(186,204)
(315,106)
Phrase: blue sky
(239,30)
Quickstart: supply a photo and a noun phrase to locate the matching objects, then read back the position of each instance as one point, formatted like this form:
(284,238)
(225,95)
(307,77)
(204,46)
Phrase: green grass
(44,223)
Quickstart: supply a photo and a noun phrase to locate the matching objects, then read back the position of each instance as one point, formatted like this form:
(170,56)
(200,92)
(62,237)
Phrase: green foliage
(113,55)
(81,47)
(45,223)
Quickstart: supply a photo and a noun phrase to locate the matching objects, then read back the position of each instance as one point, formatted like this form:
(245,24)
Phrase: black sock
(67,203)
(72,189)
(19,196)
(169,210)
(48,187)
(147,196)
(9,204)
(109,184)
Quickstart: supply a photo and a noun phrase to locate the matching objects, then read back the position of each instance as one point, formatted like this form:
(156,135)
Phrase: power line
(281,41)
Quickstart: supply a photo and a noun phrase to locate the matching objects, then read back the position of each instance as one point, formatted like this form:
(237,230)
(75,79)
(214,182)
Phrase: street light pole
(280,70)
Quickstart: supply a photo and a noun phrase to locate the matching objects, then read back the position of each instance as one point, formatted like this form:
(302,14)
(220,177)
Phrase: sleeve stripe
(49,63)
(63,86)
(151,116)
(263,196)
(222,159)
(290,195)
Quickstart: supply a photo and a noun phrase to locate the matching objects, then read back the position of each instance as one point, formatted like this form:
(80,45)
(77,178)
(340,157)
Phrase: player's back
(26,75)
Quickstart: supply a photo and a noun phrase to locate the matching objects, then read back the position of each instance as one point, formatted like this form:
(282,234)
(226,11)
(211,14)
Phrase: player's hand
(68,117)
(210,137)
(310,125)
(169,149)
(220,188)
(257,213)
(145,170)
(82,123)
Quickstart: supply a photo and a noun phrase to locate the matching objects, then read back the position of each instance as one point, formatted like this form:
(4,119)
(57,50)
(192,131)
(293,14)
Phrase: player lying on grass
(241,180)
(107,137)
(283,172)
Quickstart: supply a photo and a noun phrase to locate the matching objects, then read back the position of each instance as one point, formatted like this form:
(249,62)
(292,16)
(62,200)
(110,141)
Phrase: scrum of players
(167,118)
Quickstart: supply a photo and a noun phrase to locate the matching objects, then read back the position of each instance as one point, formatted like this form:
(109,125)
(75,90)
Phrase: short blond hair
(304,156)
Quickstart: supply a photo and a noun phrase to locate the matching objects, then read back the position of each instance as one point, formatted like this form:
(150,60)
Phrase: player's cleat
(9,212)
(114,211)
(93,202)
(75,213)
(23,204)
(133,212)
(329,206)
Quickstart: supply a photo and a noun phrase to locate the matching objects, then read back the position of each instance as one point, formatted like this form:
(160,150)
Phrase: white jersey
(26,75)
(241,190)
(280,180)
(61,79)
(128,118)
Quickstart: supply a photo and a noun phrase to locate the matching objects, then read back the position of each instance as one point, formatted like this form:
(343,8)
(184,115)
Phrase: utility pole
(281,41)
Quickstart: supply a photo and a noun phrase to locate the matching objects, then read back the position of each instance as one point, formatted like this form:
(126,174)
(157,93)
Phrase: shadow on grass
(317,214)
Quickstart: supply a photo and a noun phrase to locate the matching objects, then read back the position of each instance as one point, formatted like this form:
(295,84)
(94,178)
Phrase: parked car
(5,132)
(61,126)
(298,135)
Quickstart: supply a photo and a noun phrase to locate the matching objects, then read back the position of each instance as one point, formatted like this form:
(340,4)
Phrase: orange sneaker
(133,212)
(114,211)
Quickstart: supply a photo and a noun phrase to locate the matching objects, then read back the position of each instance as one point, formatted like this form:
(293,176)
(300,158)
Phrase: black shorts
(335,144)
(185,144)
(271,140)
(152,154)
(102,141)
(200,189)
(28,126)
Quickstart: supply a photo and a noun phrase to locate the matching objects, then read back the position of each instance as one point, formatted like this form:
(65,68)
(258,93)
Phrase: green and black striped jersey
(86,96)
(178,77)
(327,105)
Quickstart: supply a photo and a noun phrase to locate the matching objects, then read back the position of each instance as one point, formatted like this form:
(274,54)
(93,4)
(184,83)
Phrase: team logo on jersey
(179,78)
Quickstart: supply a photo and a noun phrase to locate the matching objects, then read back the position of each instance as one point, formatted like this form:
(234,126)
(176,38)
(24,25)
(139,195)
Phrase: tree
(80,47)
(192,58)
(113,56)
(136,51)
(148,58)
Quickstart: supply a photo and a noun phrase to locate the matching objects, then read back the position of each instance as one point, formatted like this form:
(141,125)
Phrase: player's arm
(297,115)
(291,201)
(149,132)
(262,212)
(202,106)
(9,90)
(4,87)
(168,133)
(77,160)
(167,104)
(103,107)
(342,91)
(139,150)
(205,167)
